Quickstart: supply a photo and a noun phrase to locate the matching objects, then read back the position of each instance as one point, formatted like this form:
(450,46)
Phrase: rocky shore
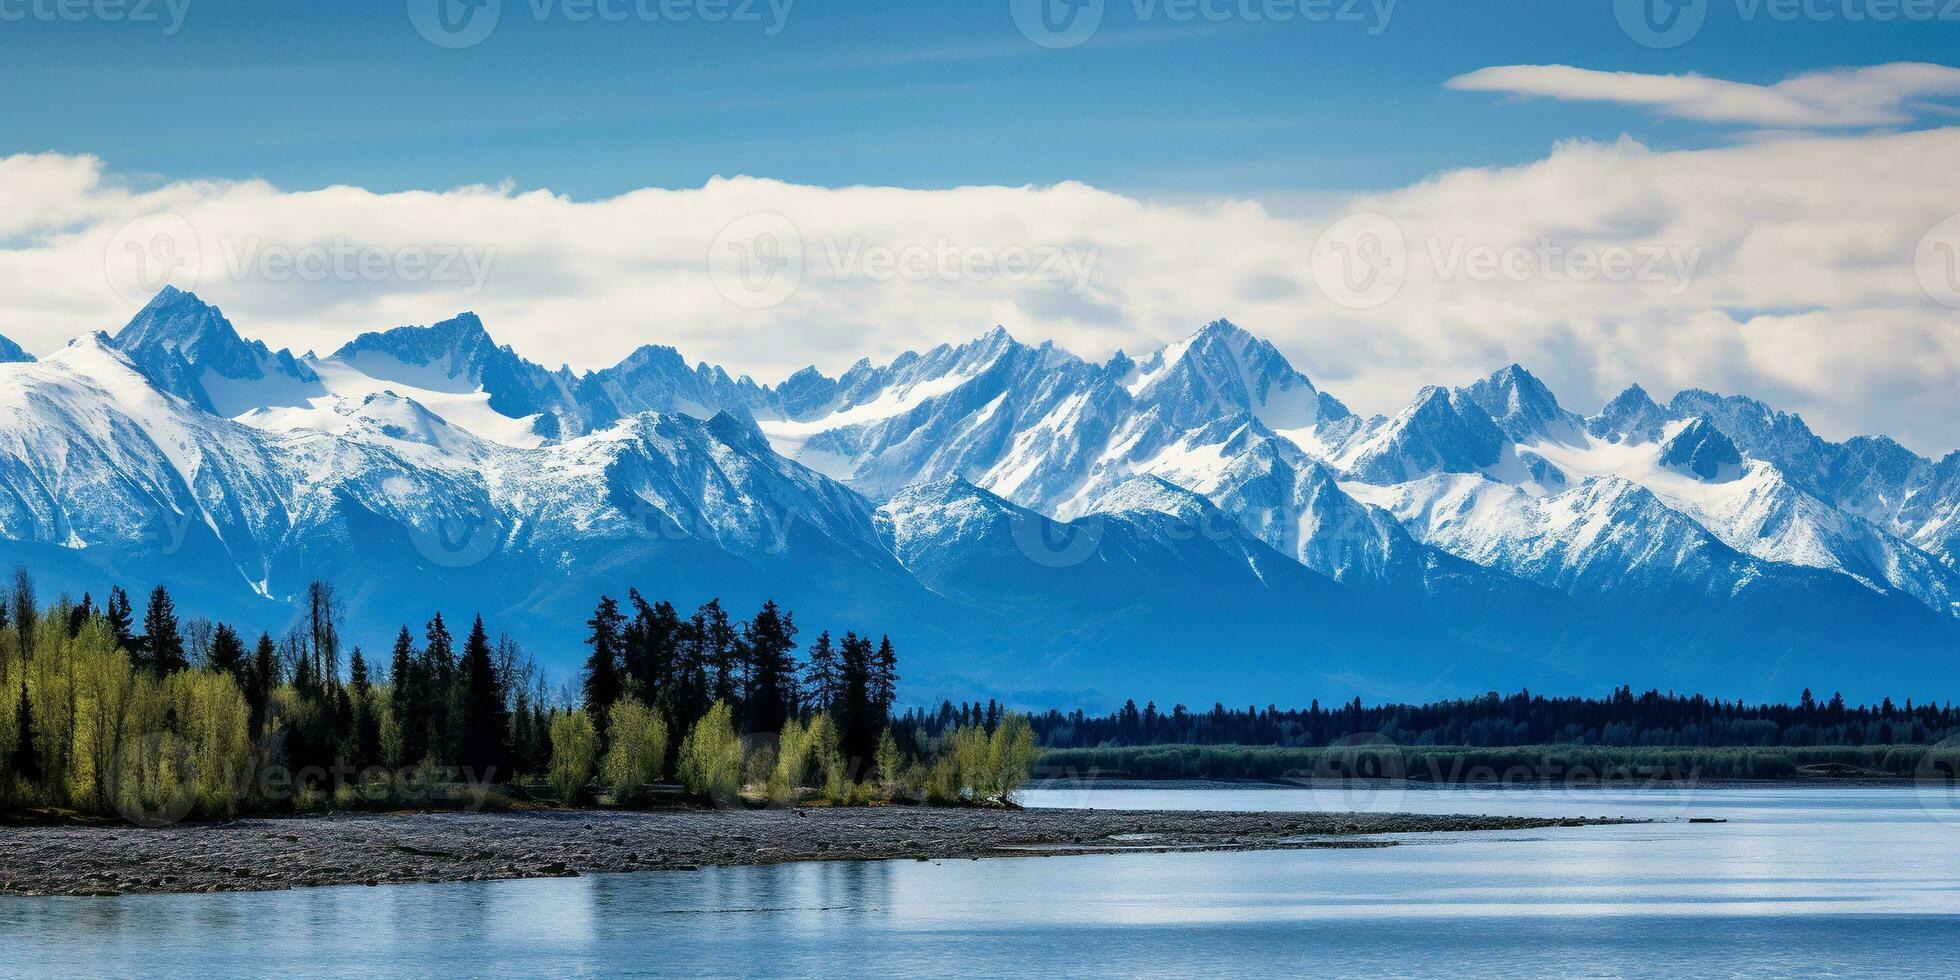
(267,854)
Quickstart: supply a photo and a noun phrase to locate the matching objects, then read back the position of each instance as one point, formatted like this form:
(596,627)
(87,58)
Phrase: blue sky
(916,94)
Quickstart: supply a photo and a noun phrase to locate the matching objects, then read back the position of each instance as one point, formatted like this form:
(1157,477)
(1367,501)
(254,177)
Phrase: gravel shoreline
(373,849)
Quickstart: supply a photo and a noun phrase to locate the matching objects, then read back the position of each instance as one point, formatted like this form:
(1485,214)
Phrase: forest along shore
(271,854)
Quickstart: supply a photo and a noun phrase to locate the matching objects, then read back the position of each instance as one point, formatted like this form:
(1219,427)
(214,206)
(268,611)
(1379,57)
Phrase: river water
(1813,882)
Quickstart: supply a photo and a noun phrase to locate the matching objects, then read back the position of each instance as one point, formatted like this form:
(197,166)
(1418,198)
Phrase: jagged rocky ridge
(1202,522)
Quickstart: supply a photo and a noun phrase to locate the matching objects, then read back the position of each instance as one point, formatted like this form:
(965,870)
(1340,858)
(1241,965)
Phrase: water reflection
(1811,881)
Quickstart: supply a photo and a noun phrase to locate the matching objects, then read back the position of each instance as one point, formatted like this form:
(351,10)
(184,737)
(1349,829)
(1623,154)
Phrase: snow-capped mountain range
(1200,523)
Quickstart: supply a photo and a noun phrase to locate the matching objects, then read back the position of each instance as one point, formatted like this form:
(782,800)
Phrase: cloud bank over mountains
(1803,271)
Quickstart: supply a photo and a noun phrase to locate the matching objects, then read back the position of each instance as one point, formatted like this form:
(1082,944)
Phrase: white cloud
(1804,291)
(1880,95)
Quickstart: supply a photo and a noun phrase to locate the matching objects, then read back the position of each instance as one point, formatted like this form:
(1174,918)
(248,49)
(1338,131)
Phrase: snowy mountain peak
(1442,432)
(1153,495)
(458,346)
(1631,416)
(1703,450)
(1524,407)
(1222,369)
(188,348)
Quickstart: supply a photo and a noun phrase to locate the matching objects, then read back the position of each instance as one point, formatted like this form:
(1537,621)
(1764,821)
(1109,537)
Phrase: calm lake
(1844,882)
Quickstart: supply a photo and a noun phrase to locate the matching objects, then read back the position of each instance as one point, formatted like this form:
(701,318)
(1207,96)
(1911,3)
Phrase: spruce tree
(26,758)
(121,619)
(857,720)
(602,682)
(163,644)
(366,748)
(406,700)
(228,654)
(79,616)
(884,679)
(722,652)
(485,727)
(820,676)
(263,678)
(438,690)
(771,641)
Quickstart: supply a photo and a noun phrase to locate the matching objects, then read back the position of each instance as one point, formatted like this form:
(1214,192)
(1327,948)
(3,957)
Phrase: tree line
(1622,719)
(106,713)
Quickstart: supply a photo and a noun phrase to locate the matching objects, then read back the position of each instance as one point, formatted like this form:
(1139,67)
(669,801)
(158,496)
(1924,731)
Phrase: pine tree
(884,679)
(602,682)
(721,649)
(771,641)
(25,760)
(485,727)
(228,654)
(366,750)
(163,645)
(406,700)
(820,677)
(438,690)
(858,722)
(522,739)
(263,678)
(79,616)
(121,618)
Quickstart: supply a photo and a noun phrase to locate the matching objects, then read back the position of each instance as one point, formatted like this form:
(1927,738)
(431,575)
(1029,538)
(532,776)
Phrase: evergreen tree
(121,619)
(438,690)
(523,741)
(858,722)
(79,616)
(25,760)
(163,644)
(485,726)
(820,677)
(228,654)
(692,671)
(771,642)
(405,698)
(262,679)
(602,681)
(884,679)
(721,651)
(648,649)
(366,748)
